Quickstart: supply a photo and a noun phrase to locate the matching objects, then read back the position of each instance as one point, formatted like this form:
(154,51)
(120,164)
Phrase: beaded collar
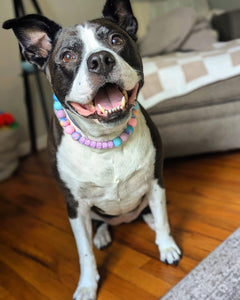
(76,136)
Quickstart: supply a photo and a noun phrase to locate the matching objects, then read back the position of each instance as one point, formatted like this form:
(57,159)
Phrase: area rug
(217,277)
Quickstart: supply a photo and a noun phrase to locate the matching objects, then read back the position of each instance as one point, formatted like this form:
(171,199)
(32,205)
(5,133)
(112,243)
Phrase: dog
(103,147)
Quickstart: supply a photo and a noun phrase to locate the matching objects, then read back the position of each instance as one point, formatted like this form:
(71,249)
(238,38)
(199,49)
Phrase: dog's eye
(116,40)
(68,56)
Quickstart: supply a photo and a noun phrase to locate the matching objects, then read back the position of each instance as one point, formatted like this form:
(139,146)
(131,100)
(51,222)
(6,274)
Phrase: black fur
(120,12)
(38,24)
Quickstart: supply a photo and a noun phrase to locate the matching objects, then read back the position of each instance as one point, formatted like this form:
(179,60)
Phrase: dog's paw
(102,237)
(169,251)
(85,293)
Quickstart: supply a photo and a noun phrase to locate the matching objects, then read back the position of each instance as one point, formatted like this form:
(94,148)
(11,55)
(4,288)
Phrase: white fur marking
(170,253)
(102,237)
(82,85)
(87,285)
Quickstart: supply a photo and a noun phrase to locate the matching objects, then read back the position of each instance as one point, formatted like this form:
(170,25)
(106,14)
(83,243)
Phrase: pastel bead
(87,142)
(132,122)
(64,122)
(105,145)
(136,106)
(135,113)
(110,144)
(117,142)
(99,145)
(82,139)
(76,136)
(124,136)
(60,114)
(55,97)
(57,105)
(93,144)
(129,130)
(69,129)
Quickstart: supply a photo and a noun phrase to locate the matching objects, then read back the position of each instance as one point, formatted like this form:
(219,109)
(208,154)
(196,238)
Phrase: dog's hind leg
(158,220)
(102,237)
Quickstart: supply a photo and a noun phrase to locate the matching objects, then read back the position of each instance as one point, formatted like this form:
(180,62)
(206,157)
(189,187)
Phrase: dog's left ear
(120,12)
(36,35)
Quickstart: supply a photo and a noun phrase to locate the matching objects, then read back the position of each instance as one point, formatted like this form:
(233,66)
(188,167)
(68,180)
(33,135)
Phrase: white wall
(64,12)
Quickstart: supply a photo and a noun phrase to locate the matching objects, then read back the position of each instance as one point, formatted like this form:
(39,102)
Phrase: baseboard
(25,147)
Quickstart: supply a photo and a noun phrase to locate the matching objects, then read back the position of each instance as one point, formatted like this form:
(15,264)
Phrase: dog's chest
(114,180)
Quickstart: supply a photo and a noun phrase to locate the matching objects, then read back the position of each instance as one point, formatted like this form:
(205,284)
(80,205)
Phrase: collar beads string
(76,136)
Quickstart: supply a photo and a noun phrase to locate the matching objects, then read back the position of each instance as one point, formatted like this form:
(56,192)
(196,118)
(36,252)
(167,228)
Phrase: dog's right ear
(36,35)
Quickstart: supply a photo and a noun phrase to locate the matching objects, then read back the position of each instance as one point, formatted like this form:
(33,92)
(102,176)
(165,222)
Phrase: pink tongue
(108,98)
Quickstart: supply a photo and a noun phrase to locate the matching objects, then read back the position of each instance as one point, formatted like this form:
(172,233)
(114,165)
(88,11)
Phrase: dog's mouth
(111,102)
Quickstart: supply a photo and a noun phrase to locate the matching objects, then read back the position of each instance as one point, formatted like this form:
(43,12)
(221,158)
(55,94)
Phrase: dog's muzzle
(109,103)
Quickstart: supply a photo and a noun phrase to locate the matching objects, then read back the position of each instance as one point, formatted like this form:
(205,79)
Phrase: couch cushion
(217,93)
(148,10)
(198,130)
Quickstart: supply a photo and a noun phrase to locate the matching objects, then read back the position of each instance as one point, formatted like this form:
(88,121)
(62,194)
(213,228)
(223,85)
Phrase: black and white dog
(107,154)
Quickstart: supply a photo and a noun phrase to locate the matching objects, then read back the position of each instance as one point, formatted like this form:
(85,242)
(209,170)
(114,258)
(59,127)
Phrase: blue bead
(76,136)
(55,97)
(136,106)
(129,130)
(117,142)
(57,105)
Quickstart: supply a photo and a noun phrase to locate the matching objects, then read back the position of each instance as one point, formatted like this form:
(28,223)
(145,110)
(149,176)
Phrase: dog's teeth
(123,102)
(101,108)
(125,94)
(92,105)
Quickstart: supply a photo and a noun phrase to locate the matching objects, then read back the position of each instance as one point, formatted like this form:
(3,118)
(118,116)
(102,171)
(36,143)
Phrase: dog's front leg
(169,251)
(82,230)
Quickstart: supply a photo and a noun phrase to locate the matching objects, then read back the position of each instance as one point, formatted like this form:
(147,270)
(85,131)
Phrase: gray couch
(205,120)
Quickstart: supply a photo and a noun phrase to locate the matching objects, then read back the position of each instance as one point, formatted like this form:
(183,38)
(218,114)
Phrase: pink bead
(69,129)
(60,114)
(132,122)
(110,144)
(124,137)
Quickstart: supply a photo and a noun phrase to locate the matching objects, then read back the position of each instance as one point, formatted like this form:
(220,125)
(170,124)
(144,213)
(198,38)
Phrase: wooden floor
(38,257)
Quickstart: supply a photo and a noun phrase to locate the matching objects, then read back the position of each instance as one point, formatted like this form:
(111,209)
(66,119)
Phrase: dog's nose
(101,62)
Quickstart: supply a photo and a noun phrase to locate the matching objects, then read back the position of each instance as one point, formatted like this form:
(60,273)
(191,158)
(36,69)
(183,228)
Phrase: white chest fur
(114,180)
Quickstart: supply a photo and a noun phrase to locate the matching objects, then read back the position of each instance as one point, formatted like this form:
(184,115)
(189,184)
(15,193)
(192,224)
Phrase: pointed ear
(36,35)
(120,12)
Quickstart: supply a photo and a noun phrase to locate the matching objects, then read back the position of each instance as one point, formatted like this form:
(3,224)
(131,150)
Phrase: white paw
(169,251)
(85,293)
(102,237)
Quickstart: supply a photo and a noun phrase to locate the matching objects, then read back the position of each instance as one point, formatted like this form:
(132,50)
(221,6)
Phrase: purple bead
(82,139)
(105,145)
(93,144)
(110,144)
(87,142)
(60,114)
(99,145)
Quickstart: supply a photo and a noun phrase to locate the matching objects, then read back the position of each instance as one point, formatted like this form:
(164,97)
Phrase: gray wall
(224,4)
(11,90)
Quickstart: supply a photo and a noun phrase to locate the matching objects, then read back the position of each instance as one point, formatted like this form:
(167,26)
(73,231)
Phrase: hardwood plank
(38,256)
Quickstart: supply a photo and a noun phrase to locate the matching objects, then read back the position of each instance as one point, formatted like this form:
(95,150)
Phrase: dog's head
(95,68)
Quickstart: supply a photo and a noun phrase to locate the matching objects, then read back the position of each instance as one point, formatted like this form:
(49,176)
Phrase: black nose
(101,62)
